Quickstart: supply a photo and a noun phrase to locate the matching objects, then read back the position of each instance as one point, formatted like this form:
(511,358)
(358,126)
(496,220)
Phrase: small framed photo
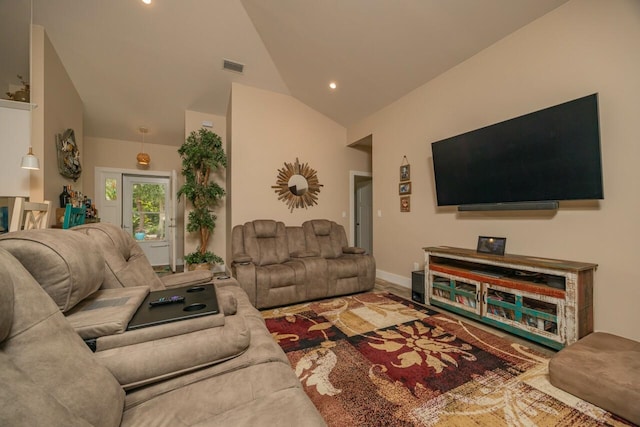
(405,173)
(491,245)
(404,188)
(405,204)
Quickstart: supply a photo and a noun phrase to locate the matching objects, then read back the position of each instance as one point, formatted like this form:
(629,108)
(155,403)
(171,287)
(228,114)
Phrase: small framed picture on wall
(405,173)
(405,204)
(404,188)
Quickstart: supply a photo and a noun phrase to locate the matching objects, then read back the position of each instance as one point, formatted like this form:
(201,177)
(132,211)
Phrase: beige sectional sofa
(278,265)
(222,369)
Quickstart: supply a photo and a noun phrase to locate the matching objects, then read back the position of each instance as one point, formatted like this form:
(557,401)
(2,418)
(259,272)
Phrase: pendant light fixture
(143,158)
(29,161)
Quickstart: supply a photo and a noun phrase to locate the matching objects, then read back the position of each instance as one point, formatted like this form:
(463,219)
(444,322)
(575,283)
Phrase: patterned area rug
(375,359)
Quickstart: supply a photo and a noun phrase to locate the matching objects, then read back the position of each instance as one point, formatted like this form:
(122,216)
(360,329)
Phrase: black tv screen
(548,155)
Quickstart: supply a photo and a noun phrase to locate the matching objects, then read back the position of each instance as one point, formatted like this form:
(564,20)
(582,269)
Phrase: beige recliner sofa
(219,370)
(126,264)
(278,265)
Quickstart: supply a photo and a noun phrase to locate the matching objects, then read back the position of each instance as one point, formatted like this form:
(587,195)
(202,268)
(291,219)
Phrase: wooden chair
(29,215)
(73,216)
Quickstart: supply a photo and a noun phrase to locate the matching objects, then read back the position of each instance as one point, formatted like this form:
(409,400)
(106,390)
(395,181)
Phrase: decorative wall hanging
(405,204)
(297,185)
(405,170)
(404,188)
(68,155)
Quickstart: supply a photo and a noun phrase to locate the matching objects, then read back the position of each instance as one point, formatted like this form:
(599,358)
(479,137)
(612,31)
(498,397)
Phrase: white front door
(146,214)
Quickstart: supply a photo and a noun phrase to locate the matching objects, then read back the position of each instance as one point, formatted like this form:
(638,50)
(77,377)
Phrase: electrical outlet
(416,266)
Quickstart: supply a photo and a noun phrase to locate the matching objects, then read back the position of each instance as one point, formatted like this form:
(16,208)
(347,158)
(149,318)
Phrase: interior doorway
(361,198)
(364,218)
(361,184)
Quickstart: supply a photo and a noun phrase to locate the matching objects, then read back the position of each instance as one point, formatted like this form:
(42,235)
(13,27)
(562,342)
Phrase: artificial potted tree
(202,154)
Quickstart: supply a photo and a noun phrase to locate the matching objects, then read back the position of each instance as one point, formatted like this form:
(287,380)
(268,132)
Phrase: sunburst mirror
(297,185)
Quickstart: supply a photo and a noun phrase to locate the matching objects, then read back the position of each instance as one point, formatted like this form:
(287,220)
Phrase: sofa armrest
(134,365)
(352,250)
(245,275)
(304,254)
(242,259)
(194,277)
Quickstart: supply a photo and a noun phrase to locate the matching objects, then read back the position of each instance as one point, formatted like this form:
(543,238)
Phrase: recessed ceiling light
(146,1)
(333,85)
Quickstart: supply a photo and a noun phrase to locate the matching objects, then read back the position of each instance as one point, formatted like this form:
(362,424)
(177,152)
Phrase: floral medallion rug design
(376,359)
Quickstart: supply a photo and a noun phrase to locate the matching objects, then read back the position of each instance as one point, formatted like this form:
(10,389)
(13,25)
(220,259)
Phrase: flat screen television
(545,156)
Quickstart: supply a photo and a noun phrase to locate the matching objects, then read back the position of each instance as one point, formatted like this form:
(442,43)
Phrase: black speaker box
(417,286)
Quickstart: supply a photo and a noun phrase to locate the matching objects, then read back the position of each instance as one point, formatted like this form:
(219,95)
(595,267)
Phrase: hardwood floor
(401,291)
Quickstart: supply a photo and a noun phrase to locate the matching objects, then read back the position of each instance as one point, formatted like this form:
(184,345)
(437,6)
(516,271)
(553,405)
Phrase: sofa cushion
(265,241)
(324,237)
(265,228)
(48,375)
(321,227)
(64,263)
(264,394)
(126,263)
(28,403)
(6,311)
(278,275)
(341,268)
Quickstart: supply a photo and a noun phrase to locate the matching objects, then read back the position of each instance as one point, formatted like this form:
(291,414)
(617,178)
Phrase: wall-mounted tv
(545,156)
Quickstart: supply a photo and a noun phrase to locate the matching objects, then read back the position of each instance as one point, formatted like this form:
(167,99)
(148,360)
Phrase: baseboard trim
(396,279)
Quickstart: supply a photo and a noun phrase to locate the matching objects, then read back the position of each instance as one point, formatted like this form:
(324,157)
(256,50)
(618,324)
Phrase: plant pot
(139,235)
(200,266)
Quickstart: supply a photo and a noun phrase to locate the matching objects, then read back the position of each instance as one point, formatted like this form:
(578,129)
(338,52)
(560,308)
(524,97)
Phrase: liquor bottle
(65,197)
(87,207)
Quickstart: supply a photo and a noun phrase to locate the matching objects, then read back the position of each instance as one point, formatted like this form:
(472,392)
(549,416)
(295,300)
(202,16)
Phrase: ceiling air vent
(232,66)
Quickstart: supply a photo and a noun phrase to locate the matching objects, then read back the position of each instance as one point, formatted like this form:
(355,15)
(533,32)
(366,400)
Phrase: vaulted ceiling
(143,65)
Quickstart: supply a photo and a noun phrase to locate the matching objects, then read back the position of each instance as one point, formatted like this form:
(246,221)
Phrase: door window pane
(148,211)
(111,189)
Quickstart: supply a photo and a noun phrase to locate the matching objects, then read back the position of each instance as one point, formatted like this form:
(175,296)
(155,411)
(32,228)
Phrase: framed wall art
(405,204)
(405,173)
(404,188)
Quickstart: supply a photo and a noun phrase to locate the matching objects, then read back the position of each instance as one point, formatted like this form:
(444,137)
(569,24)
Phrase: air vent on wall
(233,66)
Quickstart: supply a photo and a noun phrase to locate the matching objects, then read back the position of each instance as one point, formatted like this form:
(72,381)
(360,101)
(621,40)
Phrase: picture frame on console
(491,245)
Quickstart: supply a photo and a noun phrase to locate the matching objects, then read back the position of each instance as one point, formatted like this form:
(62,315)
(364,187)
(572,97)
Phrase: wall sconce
(143,158)
(29,161)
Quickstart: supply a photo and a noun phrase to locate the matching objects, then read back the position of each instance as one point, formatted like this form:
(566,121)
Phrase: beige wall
(269,129)
(583,47)
(120,154)
(218,240)
(59,107)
